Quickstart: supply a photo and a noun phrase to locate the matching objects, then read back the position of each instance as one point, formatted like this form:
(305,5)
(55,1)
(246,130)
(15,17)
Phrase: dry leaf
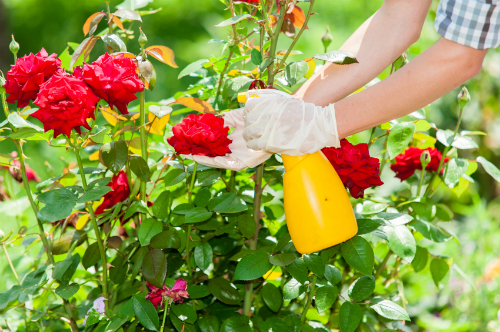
(163,54)
(196,104)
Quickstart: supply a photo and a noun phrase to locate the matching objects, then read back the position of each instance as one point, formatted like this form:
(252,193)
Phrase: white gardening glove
(276,122)
(241,156)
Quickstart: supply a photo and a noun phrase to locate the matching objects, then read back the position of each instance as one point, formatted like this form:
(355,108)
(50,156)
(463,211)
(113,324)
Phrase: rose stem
(312,287)
(144,143)
(100,243)
(165,313)
(274,42)
(110,23)
(10,262)
(188,233)
(430,190)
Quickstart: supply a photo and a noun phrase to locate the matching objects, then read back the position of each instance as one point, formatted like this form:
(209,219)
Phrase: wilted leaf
(163,54)
(196,104)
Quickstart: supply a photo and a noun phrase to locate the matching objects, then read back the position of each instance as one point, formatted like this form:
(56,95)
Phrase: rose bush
(208,249)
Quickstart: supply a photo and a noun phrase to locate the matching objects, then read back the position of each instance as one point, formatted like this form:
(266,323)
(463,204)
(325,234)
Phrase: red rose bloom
(120,192)
(155,296)
(202,135)
(114,79)
(409,161)
(28,74)
(65,103)
(249,1)
(15,170)
(356,168)
(178,293)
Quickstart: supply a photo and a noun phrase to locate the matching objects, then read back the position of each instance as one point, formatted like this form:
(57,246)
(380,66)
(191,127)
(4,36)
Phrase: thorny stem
(445,152)
(144,143)
(308,302)
(383,264)
(304,26)
(97,232)
(274,42)
(221,79)
(370,141)
(253,241)
(10,262)
(188,233)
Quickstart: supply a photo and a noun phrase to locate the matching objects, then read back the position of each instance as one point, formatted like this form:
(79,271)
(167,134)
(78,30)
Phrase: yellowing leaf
(111,116)
(117,21)
(312,67)
(423,141)
(86,25)
(163,54)
(94,156)
(126,55)
(297,17)
(135,145)
(196,104)
(157,125)
(82,221)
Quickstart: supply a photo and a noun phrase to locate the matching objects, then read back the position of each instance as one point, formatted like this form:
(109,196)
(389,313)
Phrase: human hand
(241,156)
(276,122)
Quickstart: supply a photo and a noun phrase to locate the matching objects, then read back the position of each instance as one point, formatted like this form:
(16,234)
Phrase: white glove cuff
(333,129)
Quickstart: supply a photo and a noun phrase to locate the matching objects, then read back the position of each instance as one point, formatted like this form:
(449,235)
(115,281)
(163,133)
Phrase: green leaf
(114,155)
(464,143)
(203,255)
(370,207)
(349,316)
(19,122)
(394,219)
(9,296)
(294,71)
(208,324)
(252,266)
(272,297)
(237,324)
(174,176)
(63,243)
(92,256)
(362,288)
(224,291)
(59,203)
(226,203)
(439,270)
(490,168)
(145,313)
(98,183)
(283,259)
(333,274)
(366,226)
(185,312)
(154,267)
(67,291)
(197,291)
(149,228)
(401,241)
(325,297)
(234,20)
(197,214)
(183,208)
(390,310)
(445,137)
(136,206)
(429,231)
(358,254)
(64,270)
(94,194)
(399,137)
(256,57)
(337,57)
(202,197)
(298,270)
(293,289)
(315,264)
(139,167)
(455,168)
(420,260)
(161,207)
(192,67)
(246,224)
(166,239)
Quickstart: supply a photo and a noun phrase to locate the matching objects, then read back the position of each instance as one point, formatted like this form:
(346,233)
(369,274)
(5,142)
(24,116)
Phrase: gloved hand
(276,122)
(241,156)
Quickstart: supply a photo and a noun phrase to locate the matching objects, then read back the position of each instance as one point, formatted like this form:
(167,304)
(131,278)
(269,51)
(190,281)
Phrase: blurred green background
(186,26)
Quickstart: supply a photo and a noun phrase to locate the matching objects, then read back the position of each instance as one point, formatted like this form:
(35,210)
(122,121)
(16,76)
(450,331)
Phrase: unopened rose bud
(425,159)
(142,39)
(463,97)
(14,46)
(327,38)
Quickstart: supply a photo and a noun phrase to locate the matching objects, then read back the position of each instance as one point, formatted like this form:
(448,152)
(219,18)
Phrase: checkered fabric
(474,23)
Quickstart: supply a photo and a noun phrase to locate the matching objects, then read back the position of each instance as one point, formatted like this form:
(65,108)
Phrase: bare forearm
(437,71)
(376,44)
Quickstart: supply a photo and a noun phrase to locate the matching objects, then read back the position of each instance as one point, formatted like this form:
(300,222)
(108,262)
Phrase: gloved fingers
(234,118)
(204,160)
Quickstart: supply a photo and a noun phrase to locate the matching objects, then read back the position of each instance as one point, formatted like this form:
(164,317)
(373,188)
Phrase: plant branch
(188,233)
(144,143)
(312,288)
(383,264)
(274,42)
(10,262)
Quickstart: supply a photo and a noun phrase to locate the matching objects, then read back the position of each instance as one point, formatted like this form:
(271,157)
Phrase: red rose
(15,170)
(155,296)
(356,168)
(409,161)
(65,103)
(28,74)
(202,135)
(248,1)
(114,79)
(178,293)
(120,192)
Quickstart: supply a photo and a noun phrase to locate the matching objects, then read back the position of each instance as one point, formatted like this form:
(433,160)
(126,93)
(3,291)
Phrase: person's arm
(376,44)
(435,72)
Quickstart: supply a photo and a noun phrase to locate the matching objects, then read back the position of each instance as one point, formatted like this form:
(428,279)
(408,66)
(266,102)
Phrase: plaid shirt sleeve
(474,23)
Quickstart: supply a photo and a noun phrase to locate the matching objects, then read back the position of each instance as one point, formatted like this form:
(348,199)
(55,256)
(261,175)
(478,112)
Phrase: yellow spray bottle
(317,208)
